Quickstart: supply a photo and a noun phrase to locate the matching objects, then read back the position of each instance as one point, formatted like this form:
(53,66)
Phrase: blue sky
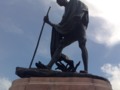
(20,24)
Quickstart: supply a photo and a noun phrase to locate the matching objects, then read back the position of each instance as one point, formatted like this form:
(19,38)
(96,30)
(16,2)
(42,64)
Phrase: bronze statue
(71,28)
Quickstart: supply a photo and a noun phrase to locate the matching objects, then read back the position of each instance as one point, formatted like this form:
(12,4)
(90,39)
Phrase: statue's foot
(39,65)
(82,71)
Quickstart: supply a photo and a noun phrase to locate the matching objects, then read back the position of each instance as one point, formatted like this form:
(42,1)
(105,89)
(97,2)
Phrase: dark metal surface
(33,72)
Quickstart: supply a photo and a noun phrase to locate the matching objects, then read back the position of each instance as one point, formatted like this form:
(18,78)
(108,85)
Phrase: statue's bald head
(62,2)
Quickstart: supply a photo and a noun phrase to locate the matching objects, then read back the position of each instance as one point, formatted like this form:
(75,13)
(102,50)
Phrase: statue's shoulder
(83,5)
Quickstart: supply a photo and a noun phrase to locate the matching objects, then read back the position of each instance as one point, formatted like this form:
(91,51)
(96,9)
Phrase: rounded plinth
(60,83)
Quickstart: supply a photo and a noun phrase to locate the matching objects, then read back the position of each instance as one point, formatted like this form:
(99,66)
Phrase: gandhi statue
(71,28)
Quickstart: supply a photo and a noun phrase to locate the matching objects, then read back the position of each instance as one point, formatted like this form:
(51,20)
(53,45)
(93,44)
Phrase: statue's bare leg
(82,45)
(58,51)
(56,55)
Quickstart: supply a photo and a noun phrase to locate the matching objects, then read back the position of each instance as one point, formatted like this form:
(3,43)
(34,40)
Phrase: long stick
(38,41)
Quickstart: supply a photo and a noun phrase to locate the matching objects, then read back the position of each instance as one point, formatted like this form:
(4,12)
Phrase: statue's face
(61,2)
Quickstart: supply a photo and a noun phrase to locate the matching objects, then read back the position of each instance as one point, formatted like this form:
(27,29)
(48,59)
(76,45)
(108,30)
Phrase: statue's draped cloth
(74,9)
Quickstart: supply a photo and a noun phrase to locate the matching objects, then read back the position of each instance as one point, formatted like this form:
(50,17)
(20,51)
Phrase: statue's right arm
(46,20)
(51,24)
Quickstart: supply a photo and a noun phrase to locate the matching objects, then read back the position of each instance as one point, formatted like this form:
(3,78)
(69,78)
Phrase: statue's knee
(81,46)
(82,43)
(60,46)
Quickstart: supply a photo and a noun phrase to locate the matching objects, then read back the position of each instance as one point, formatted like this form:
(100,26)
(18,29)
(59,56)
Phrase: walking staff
(38,40)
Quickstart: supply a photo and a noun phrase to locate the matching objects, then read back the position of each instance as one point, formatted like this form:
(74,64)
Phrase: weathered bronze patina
(71,28)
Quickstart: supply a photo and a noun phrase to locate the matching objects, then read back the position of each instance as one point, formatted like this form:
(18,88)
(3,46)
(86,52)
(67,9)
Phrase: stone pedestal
(60,83)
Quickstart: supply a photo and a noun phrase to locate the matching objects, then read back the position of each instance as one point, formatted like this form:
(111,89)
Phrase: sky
(21,22)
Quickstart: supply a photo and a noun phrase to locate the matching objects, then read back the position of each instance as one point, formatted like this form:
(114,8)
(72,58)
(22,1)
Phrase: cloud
(4,84)
(99,32)
(108,10)
(113,74)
